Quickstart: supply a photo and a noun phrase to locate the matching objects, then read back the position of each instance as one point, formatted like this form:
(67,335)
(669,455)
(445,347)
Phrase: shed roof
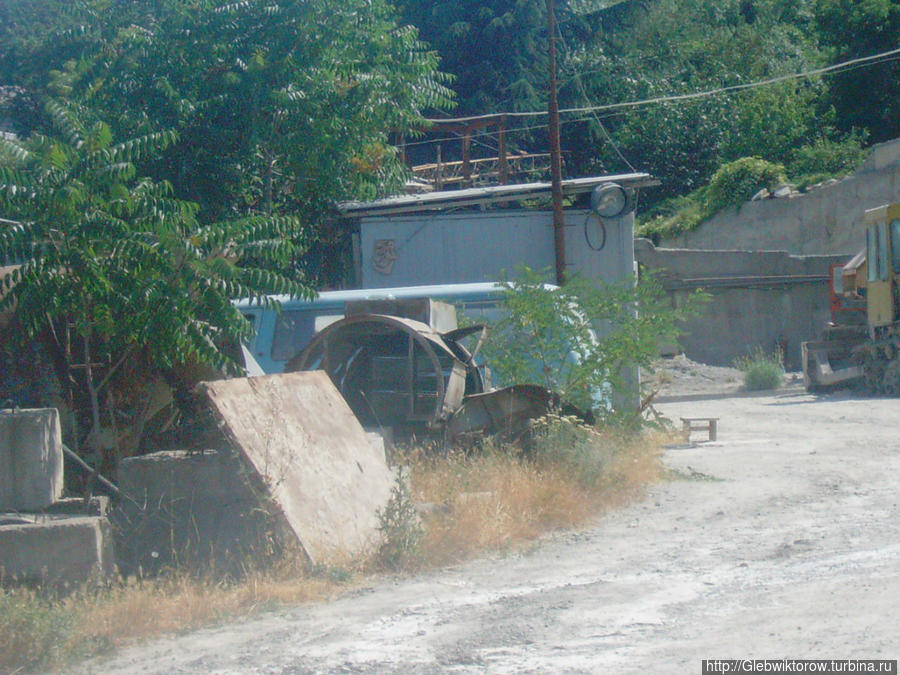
(451,199)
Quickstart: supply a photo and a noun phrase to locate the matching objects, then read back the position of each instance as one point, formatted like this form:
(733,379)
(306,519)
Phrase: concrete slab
(31,459)
(321,472)
(56,551)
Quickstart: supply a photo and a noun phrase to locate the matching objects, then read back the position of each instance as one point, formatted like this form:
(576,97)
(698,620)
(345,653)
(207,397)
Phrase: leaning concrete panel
(31,459)
(319,468)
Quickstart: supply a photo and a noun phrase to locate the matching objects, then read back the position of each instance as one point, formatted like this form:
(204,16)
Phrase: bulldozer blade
(828,363)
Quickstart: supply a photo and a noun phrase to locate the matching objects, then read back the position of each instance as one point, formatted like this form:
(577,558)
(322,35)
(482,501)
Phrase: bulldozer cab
(883,265)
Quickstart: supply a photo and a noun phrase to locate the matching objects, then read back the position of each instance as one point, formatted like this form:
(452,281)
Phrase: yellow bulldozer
(862,342)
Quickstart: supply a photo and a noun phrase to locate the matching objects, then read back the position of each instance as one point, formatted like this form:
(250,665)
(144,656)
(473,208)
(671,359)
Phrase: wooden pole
(559,233)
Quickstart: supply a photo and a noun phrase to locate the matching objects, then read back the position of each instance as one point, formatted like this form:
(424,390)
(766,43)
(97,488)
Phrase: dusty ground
(782,539)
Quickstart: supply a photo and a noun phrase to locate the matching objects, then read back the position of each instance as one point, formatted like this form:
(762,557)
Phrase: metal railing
(487,170)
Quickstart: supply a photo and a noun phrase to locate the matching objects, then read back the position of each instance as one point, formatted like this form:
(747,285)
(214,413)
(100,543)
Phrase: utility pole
(559,232)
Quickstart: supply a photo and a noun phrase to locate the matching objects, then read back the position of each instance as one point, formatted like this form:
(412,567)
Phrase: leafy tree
(496,50)
(281,106)
(119,263)
(827,157)
(677,47)
(864,98)
(578,340)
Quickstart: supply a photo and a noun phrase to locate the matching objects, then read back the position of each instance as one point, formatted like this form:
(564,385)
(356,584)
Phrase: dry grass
(44,633)
(493,500)
(181,603)
(502,497)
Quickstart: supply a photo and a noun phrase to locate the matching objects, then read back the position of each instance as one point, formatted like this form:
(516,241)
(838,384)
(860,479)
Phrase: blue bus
(279,336)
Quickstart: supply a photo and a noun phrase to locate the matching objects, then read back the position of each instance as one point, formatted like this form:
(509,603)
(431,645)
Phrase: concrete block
(188,508)
(31,459)
(321,474)
(56,552)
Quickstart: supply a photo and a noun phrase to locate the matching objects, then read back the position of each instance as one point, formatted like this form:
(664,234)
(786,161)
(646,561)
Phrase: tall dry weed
(40,632)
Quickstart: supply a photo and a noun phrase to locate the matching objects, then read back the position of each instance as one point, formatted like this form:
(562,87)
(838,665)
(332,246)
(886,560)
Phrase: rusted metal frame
(466,131)
(501,139)
(439,170)
(442,173)
(466,157)
(495,161)
(428,340)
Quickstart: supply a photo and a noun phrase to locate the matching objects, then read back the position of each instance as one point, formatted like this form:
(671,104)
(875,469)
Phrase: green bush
(736,182)
(827,158)
(566,442)
(579,340)
(761,370)
(674,216)
(732,185)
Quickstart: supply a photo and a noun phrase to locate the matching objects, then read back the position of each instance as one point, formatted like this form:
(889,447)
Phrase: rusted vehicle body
(396,371)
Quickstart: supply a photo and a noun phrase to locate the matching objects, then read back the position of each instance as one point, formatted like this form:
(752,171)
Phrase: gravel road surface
(779,540)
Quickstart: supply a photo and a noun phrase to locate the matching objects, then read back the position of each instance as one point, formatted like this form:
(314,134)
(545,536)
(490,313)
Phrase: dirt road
(783,540)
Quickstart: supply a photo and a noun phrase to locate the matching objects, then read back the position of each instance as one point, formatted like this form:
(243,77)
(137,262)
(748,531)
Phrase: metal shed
(450,237)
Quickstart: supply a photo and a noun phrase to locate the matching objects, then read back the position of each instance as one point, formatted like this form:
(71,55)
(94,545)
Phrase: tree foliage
(281,106)
(612,52)
(864,98)
(120,256)
(117,263)
(497,50)
(677,47)
(578,340)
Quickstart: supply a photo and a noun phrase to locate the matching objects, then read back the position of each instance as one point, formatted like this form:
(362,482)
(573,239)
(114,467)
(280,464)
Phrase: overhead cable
(844,65)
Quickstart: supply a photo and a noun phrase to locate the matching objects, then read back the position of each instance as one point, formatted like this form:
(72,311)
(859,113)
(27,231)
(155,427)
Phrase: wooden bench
(707,424)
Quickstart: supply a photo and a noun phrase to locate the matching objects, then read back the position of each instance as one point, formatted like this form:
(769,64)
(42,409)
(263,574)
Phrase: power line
(609,139)
(844,65)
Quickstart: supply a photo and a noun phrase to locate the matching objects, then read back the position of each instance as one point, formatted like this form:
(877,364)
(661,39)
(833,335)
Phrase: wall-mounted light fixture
(610,200)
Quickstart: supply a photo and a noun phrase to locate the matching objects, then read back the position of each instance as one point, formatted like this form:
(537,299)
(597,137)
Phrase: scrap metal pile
(402,366)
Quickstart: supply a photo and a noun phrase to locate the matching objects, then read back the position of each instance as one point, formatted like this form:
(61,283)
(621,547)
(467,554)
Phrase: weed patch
(504,496)
(33,630)
(400,528)
(761,370)
(43,633)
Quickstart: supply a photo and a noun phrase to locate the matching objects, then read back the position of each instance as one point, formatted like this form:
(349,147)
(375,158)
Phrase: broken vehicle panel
(507,412)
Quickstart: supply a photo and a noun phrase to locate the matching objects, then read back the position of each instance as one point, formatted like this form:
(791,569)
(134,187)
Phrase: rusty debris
(395,371)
